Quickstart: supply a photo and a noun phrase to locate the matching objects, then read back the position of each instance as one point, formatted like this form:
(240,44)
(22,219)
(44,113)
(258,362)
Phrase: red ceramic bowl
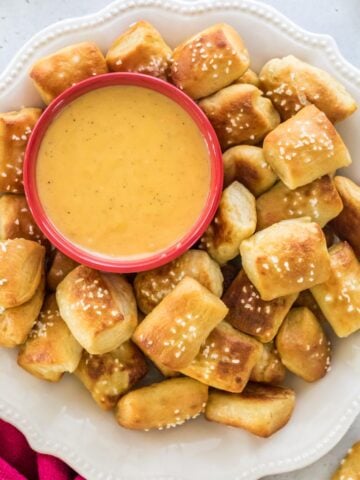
(99,261)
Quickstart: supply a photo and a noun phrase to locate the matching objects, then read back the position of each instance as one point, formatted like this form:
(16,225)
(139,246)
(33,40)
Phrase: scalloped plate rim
(349,72)
(82,467)
(187,8)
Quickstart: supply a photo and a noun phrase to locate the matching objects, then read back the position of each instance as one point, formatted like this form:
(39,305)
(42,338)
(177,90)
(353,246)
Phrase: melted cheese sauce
(123,171)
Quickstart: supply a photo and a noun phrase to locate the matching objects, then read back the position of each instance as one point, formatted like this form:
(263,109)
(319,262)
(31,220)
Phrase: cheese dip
(123,171)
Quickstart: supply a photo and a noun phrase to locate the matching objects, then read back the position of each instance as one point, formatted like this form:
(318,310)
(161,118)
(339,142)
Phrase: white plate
(62,419)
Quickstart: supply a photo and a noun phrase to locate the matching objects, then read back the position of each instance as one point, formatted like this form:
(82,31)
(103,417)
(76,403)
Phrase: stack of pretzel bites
(285,238)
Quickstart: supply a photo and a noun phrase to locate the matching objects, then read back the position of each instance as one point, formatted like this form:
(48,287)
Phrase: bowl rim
(92,258)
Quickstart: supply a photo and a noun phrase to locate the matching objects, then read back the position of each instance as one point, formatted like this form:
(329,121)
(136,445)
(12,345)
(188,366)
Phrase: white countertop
(20,19)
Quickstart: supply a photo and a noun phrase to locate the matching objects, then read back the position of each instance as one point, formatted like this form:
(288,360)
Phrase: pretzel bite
(225,360)
(174,331)
(61,265)
(66,67)
(306,299)
(15,129)
(347,224)
(112,374)
(249,77)
(259,409)
(318,200)
(235,220)
(286,258)
(209,61)
(99,308)
(304,148)
(16,220)
(50,349)
(247,165)
(268,368)
(292,84)
(339,296)
(152,286)
(252,315)
(240,114)
(349,468)
(162,405)
(16,322)
(165,371)
(21,268)
(140,49)
(303,346)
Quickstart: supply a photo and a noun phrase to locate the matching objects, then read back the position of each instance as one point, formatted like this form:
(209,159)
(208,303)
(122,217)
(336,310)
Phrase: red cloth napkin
(19,462)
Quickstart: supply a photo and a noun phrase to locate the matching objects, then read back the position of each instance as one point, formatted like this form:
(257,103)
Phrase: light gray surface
(20,19)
